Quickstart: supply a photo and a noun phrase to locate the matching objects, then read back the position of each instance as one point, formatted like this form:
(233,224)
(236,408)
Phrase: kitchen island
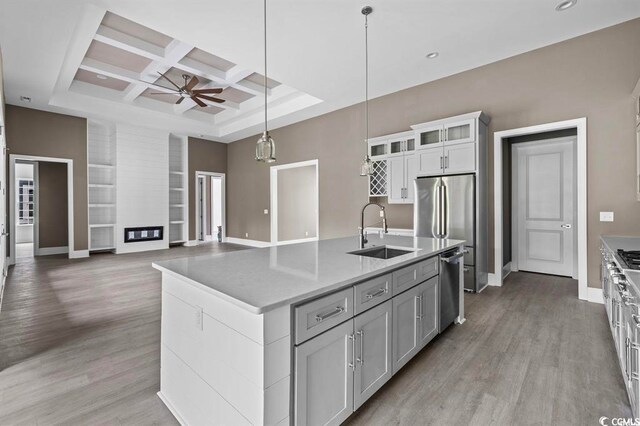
(300,333)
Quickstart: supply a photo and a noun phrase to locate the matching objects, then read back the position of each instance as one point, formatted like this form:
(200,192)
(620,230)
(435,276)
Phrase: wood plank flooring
(79,344)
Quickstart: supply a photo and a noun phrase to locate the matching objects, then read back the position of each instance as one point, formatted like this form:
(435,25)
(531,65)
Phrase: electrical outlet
(246,235)
(381,213)
(266,211)
(306,233)
(606,216)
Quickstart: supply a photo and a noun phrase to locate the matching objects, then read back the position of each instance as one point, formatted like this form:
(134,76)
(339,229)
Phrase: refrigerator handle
(438,212)
(444,203)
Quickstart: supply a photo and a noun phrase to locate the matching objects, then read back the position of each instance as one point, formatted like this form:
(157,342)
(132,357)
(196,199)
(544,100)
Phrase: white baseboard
(245,242)
(594,295)
(303,240)
(48,251)
(191,243)
(172,409)
(493,280)
(78,254)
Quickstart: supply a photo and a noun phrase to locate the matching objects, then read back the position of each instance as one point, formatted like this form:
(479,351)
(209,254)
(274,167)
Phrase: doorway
(58,219)
(543,206)
(294,203)
(210,207)
(501,190)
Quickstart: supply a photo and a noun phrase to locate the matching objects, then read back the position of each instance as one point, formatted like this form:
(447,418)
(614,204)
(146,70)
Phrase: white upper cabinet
(636,101)
(448,146)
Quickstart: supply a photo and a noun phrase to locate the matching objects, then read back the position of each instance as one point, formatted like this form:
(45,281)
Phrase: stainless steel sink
(382,252)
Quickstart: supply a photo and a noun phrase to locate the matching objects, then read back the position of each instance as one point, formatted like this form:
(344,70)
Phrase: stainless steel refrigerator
(445,207)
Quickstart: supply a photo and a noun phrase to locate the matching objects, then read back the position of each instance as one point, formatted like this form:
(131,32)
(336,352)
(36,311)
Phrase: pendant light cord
(366,76)
(265,65)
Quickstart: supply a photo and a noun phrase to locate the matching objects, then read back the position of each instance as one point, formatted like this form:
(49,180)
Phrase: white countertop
(263,279)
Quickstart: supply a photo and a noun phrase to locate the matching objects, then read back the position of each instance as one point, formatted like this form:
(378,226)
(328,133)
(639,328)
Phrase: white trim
(78,254)
(273,202)
(223,196)
(250,243)
(580,124)
(302,240)
(12,200)
(171,409)
(492,280)
(47,251)
(595,295)
(191,243)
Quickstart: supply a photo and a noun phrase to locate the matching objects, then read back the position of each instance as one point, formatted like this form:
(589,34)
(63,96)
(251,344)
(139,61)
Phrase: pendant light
(366,168)
(265,148)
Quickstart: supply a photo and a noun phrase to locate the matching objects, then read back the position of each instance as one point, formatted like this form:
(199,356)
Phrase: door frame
(273,203)
(514,211)
(12,200)
(221,176)
(580,124)
(35,235)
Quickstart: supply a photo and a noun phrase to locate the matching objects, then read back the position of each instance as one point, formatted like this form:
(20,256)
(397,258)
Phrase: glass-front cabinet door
(410,144)
(377,148)
(396,147)
(430,137)
(461,131)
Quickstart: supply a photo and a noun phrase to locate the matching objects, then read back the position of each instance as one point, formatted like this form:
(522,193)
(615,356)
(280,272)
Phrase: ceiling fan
(187,90)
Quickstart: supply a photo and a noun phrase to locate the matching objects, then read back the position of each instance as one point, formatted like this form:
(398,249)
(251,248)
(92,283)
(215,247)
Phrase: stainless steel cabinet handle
(419,302)
(378,293)
(441,162)
(352,364)
(626,358)
(360,359)
(566,226)
(446,161)
(337,311)
(465,269)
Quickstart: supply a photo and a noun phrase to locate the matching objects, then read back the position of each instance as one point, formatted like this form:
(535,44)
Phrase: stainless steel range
(630,258)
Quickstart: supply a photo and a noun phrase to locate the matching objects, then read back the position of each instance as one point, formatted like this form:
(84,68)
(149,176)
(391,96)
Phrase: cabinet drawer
(371,293)
(428,268)
(320,315)
(411,275)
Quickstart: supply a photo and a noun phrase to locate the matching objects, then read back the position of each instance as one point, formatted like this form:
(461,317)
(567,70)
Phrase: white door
(395,171)
(431,161)
(544,206)
(411,166)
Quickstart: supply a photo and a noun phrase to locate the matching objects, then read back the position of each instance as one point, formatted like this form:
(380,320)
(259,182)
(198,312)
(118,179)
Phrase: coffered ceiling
(58,52)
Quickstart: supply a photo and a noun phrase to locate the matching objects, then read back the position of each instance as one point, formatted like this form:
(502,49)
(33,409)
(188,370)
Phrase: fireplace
(145,233)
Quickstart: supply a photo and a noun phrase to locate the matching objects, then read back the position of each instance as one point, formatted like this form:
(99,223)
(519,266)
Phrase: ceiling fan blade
(198,101)
(209,98)
(216,90)
(179,101)
(169,80)
(192,83)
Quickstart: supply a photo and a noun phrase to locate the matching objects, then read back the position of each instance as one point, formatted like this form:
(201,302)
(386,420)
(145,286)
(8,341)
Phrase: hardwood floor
(79,344)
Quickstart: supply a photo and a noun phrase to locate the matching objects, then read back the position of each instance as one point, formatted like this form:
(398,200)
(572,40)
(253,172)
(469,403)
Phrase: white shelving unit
(178,185)
(101,156)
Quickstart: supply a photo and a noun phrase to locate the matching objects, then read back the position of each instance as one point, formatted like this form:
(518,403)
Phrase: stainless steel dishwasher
(449,287)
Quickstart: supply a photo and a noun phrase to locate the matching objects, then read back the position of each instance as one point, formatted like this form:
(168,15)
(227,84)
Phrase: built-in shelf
(176,222)
(101,166)
(102,205)
(176,173)
(176,205)
(101,185)
(102,225)
(177,242)
(102,248)
(176,189)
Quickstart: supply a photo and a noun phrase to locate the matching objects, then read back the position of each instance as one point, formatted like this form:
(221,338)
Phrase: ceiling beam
(129,43)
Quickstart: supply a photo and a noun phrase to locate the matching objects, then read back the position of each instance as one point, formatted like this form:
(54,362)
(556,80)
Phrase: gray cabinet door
(373,352)
(324,377)
(405,327)
(428,311)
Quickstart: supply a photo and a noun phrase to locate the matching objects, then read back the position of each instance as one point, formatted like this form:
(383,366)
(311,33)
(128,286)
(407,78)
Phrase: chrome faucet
(363,234)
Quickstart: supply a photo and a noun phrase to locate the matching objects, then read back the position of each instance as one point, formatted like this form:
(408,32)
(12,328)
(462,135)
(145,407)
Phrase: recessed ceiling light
(25,99)
(566,5)
(101,77)
(432,55)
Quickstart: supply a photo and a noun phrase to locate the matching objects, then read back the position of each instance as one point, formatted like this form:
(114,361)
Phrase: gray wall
(52,205)
(46,134)
(589,76)
(297,199)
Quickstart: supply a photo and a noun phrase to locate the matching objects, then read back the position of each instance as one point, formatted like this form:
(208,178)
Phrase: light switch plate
(606,216)
(266,211)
